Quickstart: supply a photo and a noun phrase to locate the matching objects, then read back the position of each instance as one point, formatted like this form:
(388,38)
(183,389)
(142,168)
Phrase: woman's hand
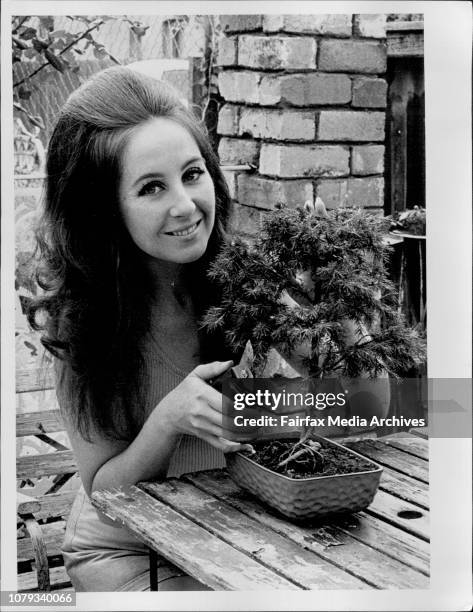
(196,408)
(193,407)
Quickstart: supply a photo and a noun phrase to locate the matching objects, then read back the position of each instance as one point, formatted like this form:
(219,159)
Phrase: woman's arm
(193,407)
(105,463)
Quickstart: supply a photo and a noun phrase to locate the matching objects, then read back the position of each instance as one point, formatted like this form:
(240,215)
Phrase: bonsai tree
(309,275)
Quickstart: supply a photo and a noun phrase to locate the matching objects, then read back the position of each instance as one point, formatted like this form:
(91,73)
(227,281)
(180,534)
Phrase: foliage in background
(44,47)
(35,41)
(412,221)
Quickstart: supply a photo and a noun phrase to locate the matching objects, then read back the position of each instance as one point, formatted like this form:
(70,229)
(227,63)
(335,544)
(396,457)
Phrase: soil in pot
(312,458)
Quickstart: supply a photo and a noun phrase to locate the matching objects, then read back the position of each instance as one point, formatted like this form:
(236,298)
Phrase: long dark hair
(95,311)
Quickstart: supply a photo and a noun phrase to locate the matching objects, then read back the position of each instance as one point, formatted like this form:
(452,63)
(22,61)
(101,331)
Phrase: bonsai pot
(308,497)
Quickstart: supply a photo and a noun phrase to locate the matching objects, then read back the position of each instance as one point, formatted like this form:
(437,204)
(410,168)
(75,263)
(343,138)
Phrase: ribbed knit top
(163,374)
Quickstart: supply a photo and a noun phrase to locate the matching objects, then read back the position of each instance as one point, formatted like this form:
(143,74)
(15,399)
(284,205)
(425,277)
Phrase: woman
(135,209)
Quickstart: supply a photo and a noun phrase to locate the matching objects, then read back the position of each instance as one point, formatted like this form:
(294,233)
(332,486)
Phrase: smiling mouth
(186,231)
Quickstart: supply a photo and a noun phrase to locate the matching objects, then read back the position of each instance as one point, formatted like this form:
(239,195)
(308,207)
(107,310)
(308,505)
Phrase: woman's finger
(206,371)
(214,398)
(235,434)
(222,444)
(209,413)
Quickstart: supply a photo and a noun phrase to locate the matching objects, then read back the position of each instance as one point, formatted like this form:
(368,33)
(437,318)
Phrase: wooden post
(398,94)
(405,38)
(197,80)
(153,570)
(40,553)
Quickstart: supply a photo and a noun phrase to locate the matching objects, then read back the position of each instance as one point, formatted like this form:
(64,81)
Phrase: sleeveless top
(92,542)
(162,376)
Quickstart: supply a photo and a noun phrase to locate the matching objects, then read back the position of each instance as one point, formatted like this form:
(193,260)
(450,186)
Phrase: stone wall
(305,99)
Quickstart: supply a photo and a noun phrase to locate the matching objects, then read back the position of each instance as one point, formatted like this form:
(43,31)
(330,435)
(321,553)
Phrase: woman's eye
(193,174)
(150,188)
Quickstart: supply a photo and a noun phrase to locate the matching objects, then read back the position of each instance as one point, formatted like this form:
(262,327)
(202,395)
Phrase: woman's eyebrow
(191,161)
(150,175)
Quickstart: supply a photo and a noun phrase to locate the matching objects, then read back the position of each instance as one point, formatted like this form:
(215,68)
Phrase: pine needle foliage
(347,259)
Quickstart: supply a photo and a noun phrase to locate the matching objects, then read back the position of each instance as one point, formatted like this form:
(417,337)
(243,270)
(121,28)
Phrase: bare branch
(22,21)
(22,109)
(66,48)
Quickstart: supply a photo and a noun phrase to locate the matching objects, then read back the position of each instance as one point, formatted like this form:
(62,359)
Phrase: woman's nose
(182,205)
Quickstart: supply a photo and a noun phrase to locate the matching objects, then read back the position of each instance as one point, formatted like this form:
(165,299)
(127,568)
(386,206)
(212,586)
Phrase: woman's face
(167,197)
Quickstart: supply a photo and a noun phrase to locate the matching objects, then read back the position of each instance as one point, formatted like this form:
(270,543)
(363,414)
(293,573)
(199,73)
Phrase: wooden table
(227,539)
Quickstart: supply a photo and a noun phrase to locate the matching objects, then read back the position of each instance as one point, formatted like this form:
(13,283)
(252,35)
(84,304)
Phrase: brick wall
(305,100)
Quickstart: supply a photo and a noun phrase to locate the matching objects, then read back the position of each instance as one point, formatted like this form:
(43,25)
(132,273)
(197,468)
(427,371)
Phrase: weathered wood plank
(40,552)
(52,442)
(421,432)
(392,240)
(35,423)
(393,458)
(411,444)
(404,26)
(53,537)
(397,126)
(260,542)
(62,479)
(408,489)
(22,498)
(322,537)
(28,581)
(47,506)
(34,379)
(405,44)
(35,466)
(401,513)
(388,539)
(190,547)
